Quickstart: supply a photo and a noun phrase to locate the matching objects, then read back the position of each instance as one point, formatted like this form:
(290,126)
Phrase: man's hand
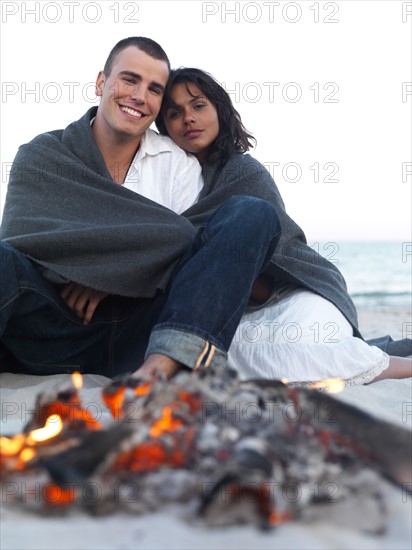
(82,299)
(158,364)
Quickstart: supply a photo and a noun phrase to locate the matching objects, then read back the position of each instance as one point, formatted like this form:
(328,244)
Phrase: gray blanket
(64,211)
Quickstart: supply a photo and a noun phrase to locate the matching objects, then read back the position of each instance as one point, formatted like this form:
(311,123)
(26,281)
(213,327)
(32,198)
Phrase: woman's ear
(100,80)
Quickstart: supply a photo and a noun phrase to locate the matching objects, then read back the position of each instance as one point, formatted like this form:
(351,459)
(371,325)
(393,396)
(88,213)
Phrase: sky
(325,87)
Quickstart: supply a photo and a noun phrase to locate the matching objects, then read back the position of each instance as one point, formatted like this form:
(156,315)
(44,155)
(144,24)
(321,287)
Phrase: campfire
(261,452)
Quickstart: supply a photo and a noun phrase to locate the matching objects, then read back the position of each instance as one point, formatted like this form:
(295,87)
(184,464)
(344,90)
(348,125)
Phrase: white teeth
(132,112)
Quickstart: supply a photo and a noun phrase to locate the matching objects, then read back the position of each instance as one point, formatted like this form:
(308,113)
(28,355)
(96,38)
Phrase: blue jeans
(193,322)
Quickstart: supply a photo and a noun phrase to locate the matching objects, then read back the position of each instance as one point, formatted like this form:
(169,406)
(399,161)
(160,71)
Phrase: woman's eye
(173,114)
(200,106)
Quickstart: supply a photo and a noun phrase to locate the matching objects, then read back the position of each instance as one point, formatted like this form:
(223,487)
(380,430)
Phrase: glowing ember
(143,389)
(55,495)
(150,456)
(165,424)
(114,397)
(114,402)
(276,518)
(332,385)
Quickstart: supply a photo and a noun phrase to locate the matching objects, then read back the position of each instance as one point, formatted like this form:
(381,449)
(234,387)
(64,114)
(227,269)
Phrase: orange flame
(77,380)
(165,424)
(11,446)
(71,410)
(53,427)
(27,454)
(17,451)
(331,385)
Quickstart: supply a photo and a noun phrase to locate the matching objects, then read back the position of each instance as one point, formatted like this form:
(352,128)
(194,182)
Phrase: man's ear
(100,80)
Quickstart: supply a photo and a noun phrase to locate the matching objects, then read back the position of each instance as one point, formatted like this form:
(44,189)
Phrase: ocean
(378,274)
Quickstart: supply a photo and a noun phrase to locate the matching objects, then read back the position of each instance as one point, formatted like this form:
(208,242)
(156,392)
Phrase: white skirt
(302,338)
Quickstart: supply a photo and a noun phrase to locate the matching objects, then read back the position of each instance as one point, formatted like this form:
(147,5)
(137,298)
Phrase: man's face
(131,95)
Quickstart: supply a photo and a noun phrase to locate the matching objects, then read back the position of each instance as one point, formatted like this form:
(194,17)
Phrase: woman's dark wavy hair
(233,137)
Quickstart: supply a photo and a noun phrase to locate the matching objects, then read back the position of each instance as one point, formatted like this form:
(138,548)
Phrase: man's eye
(129,80)
(156,91)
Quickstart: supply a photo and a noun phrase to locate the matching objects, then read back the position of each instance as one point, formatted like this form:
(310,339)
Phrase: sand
(375,323)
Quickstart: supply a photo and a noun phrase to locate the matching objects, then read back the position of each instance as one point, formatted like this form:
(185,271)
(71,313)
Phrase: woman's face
(194,123)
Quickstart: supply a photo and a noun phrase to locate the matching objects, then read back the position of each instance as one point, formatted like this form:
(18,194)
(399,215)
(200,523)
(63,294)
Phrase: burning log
(64,404)
(383,445)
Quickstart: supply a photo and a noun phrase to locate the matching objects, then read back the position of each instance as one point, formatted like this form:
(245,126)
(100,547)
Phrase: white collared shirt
(163,172)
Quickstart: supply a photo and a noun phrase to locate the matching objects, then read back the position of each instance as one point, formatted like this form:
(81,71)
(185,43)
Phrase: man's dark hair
(233,136)
(146,45)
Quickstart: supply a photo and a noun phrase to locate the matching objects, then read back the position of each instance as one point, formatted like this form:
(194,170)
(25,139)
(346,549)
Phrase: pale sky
(325,87)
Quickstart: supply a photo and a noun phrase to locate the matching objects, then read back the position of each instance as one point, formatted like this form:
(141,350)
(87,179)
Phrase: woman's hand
(82,299)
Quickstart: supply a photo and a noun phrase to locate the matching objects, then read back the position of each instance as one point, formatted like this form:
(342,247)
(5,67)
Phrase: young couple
(115,253)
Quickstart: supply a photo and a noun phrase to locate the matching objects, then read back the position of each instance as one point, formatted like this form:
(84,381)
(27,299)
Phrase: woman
(301,324)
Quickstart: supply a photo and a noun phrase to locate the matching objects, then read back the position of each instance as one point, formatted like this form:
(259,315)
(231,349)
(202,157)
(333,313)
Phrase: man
(96,274)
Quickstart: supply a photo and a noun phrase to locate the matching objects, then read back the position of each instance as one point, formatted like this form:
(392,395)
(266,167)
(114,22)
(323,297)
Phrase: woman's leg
(303,338)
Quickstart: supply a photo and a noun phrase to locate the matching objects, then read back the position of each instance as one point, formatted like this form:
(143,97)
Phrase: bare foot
(158,364)
(399,367)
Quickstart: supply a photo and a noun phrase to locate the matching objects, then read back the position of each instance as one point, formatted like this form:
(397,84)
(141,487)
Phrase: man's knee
(256,212)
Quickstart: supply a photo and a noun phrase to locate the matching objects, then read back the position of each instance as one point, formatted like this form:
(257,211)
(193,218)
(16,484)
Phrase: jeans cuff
(187,348)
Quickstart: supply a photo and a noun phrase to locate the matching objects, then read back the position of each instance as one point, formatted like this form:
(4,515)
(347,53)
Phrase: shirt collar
(151,143)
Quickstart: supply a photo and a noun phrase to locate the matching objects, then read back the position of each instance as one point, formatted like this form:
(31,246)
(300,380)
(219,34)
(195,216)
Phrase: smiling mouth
(132,112)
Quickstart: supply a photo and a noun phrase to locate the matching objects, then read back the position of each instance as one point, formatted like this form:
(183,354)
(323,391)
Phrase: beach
(168,528)
(379,322)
